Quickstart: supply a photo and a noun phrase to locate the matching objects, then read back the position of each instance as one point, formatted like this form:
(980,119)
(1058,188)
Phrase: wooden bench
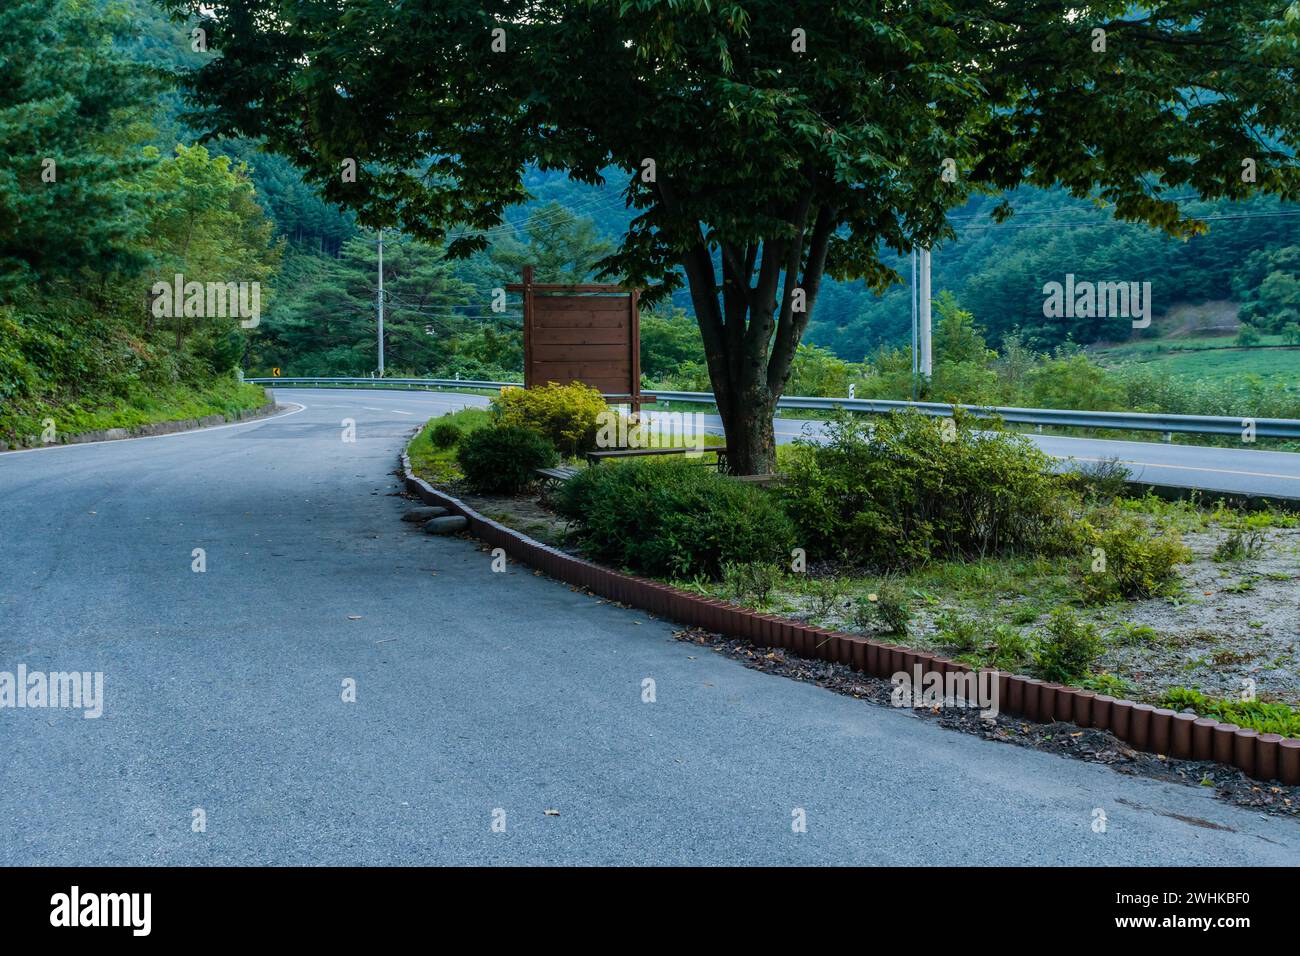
(761,480)
(557,476)
(596,457)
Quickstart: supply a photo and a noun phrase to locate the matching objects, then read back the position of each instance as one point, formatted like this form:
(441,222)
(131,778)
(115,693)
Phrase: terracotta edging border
(1142,726)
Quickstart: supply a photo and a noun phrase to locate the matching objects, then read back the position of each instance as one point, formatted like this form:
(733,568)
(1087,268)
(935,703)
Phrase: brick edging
(1142,726)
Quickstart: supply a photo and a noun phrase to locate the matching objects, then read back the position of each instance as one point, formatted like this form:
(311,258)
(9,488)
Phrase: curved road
(475,692)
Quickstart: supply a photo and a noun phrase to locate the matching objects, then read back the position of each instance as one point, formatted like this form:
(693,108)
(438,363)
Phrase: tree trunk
(752,333)
(751,440)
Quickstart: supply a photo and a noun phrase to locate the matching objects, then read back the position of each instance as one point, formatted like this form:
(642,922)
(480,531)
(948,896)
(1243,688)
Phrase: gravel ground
(1232,623)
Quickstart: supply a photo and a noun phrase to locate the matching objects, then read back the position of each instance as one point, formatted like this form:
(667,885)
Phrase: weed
(955,631)
(826,593)
(1267,718)
(1068,649)
(1109,684)
(1240,546)
(1128,633)
(1008,649)
(751,581)
(1025,614)
(887,607)
(1241,587)
(1103,480)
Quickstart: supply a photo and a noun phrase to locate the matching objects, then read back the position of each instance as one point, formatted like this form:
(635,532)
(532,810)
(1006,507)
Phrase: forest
(95,101)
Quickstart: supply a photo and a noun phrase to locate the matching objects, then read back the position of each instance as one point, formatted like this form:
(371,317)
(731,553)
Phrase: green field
(1211,358)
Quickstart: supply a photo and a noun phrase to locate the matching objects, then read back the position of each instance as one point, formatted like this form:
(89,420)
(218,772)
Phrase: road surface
(480,697)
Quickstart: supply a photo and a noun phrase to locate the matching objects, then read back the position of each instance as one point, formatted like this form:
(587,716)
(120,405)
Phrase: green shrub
(569,415)
(1103,480)
(895,493)
(444,435)
(1267,718)
(885,609)
(1069,649)
(826,592)
(503,459)
(1110,684)
(673,518)
(1240,546)
(1008,649)
(752,580)
(957,632)
(1128,561)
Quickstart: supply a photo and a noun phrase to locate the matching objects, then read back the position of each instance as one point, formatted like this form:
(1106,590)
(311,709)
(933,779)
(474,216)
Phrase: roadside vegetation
(97,203)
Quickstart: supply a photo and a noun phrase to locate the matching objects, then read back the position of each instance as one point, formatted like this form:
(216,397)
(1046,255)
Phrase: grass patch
(140,406)
(1259,715)
(439,464)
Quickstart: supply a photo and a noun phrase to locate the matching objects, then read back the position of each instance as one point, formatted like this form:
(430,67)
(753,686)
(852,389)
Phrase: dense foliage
(92,214)
(503,459)
(674,518)
(906,489)
(569,415)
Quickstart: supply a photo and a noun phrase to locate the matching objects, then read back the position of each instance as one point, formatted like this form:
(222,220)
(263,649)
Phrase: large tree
(72,112)
(766,143)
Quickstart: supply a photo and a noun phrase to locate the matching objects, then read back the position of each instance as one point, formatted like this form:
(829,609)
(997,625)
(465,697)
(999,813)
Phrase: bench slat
(563,473)
(597,456)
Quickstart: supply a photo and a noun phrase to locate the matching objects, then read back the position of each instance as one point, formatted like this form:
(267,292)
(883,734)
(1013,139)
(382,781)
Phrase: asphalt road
(475,692)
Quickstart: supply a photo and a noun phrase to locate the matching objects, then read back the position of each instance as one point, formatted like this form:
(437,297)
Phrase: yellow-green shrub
(1131,561)
(566,414)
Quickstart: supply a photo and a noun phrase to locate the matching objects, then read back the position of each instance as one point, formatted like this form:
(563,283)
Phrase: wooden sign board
(582,333)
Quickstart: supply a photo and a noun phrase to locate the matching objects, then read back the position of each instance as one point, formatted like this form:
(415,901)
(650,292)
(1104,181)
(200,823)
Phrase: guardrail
(1057,417)
(392,382)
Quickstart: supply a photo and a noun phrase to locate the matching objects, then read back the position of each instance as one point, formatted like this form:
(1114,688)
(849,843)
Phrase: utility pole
(379,303)
(916,364)
(923,323)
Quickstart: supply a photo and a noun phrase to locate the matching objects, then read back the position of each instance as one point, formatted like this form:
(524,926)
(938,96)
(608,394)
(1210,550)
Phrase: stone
(448,525)
(424,514)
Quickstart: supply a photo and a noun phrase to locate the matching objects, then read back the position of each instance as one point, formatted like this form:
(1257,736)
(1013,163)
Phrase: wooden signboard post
(582,333)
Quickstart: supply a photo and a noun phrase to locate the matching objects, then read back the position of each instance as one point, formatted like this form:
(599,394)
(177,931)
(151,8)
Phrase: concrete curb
(158,428)
(1142,726)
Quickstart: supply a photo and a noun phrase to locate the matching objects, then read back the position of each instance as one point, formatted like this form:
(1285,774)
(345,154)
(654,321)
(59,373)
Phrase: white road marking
(1213,471)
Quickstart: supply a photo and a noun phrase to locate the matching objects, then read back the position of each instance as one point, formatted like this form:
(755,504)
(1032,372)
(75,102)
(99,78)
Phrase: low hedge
(569,415)
(674,518)
(503,459)
(904,489)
